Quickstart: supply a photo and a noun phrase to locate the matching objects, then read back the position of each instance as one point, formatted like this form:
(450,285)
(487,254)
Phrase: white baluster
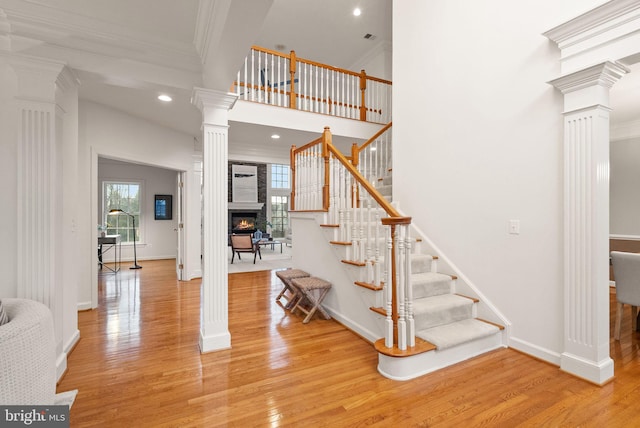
(253,71)
(388,338)
(400,292)
(411,328)
(246,87)
(369,255)
(378,224)
(319,176)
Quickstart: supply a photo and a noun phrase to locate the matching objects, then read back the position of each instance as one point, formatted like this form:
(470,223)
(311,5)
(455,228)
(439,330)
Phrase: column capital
(589,87)
(604,74)
(37,78)
(213,104)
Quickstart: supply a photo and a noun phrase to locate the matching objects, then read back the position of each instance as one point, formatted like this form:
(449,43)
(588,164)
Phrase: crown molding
(608,14)
(212,15)
(64,30)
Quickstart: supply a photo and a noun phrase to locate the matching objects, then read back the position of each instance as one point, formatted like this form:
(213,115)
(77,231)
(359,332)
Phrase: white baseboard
(353,326)
(71,343)
(84,306)
(596,372)
(535,351)
(61,365)
(61,359)
(625,237)
(195,274)
(216,342)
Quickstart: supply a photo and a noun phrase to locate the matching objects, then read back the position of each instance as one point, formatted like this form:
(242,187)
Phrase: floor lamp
(117,211)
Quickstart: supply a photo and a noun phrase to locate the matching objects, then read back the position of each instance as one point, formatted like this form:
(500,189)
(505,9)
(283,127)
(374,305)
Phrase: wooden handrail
(375,136)
(317,64)
(366,185)
(307,146)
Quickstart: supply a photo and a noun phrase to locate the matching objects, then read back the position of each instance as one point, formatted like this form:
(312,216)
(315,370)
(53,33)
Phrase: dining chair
(626,273)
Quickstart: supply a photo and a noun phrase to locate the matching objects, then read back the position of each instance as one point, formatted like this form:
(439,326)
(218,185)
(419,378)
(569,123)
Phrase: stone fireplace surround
(258,208)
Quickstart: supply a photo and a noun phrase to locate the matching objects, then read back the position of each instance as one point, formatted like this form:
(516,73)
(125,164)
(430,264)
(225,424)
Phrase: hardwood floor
(138,365)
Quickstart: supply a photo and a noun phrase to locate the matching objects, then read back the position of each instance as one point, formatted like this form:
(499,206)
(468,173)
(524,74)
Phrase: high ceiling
(162,32)
(127,52)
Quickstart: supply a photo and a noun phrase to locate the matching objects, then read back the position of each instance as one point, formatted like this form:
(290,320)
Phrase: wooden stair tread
(340,242)
(475,300)
(421,347)
(500,326)
(354,263)
(368,285)
(379,311)
(329,225)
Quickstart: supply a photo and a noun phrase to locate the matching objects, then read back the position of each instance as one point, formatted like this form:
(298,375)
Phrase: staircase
(423,315)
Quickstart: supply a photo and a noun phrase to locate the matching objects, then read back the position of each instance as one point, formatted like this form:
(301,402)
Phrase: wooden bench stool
(286,276)
(308,287)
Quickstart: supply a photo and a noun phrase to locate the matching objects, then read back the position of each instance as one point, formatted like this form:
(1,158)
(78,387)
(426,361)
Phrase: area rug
(271,259)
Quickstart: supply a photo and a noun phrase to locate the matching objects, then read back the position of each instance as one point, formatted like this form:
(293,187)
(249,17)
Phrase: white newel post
(214,317)
(586,220)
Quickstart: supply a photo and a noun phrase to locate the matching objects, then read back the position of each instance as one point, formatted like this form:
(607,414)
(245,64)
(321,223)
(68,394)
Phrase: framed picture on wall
(163,207)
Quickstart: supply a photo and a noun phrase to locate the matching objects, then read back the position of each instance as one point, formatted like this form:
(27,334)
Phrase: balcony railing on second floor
(274,78)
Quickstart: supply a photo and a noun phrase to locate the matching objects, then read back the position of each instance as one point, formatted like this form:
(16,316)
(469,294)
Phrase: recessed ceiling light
(165,98)
(275,136)
(357,11)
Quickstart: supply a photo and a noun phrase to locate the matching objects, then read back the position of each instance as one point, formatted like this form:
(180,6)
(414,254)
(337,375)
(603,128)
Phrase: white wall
(478,142)
(8,175)
(625,188)
(159,240)
(110,133)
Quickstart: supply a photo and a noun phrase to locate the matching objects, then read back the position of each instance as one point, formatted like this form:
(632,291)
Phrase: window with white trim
(126,196)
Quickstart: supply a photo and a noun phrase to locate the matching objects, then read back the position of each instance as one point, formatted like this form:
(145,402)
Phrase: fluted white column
(214,318)
(37,210)
(45,202)
(586,220)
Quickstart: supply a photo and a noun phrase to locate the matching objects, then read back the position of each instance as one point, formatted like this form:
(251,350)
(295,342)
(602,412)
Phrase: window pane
(279,215)
(125,197)
(279,176)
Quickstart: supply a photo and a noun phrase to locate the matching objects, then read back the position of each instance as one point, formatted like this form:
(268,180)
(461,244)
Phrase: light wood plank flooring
(138,365)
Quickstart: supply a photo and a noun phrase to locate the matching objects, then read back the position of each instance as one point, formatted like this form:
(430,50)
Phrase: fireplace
(243,222)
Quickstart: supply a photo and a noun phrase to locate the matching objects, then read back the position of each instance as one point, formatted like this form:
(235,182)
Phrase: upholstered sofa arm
(27,354)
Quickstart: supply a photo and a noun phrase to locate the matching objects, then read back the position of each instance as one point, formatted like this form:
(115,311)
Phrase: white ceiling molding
(609,32)
(95,38)
(225,32)
(5,31)
(209,25)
